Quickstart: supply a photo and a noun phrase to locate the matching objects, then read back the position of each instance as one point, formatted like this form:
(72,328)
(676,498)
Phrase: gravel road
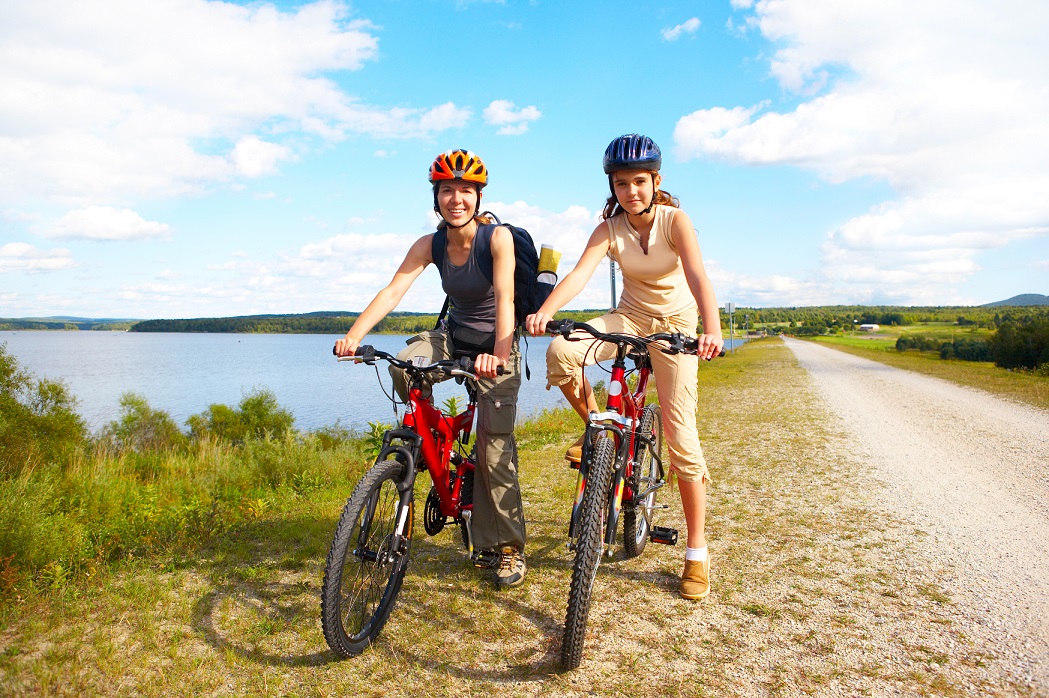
(969,469)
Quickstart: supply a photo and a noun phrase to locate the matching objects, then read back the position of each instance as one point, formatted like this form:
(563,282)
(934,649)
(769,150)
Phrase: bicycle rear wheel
(365,566)
(593,513)
(637,519)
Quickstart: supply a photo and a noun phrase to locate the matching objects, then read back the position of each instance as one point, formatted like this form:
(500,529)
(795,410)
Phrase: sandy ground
(969,469)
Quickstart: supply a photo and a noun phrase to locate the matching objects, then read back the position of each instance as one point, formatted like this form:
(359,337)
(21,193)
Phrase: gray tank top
(472,295)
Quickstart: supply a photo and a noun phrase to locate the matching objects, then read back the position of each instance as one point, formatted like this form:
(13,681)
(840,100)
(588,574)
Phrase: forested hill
(327,322)
(817,318)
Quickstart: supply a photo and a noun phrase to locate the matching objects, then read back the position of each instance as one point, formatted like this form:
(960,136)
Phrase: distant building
(869,328)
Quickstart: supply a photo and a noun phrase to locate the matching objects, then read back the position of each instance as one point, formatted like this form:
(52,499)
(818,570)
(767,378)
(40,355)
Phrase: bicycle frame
(430,440)
(622,412)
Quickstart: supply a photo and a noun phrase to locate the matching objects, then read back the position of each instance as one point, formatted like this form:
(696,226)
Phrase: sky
(193,158)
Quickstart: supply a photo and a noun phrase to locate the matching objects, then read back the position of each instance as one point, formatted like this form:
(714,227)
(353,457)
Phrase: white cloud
(21,256)
(690,26)
(511,120)
(253,157)
(107,223)
(944,103)
(110,99)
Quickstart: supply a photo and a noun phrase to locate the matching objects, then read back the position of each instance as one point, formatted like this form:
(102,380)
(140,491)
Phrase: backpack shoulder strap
(483,242)
(438,245)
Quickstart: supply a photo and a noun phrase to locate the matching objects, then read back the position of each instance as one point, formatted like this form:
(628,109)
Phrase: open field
(818,589)
(1021,386)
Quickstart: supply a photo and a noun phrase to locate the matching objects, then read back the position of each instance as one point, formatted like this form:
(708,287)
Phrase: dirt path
(971,471)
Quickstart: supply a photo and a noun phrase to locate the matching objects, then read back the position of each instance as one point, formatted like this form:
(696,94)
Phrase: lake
(182,374)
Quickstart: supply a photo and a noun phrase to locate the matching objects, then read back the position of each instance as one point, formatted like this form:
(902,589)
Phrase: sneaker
(695,580)
(512,567)
(574,454)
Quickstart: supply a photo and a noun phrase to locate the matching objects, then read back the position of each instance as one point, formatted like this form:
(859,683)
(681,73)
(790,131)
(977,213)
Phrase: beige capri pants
(675,374)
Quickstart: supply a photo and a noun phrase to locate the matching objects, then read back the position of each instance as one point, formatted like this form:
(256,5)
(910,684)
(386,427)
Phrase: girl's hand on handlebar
(487,365)
(709,345)
(536,323)
(346,346)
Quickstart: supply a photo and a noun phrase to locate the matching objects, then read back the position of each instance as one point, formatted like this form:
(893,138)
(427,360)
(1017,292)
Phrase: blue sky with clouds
(186,158)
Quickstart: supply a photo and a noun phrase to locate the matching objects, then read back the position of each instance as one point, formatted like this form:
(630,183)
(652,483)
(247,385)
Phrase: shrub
(142,428)
(1021,343)
(38,421)
(258,417)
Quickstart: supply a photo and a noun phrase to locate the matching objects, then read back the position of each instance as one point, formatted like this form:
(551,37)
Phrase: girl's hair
(612,207)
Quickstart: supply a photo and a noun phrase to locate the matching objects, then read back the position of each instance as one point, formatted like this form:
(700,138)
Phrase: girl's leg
(694,504)
(581,397)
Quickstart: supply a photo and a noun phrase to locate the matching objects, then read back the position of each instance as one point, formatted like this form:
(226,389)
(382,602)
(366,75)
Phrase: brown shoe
(695,580)
(574,454)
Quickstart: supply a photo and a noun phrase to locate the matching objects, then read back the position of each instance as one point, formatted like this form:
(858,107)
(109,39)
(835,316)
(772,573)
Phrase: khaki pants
(498,513)
(675,374)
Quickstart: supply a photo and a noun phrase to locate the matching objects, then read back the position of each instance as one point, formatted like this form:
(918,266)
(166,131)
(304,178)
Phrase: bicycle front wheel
(593,514)
(366,562)
(637,518)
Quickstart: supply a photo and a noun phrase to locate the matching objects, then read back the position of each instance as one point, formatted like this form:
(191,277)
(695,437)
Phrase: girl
(665,289)
(480,324)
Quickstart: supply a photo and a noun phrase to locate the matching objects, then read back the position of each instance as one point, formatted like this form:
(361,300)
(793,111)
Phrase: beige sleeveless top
(653,284)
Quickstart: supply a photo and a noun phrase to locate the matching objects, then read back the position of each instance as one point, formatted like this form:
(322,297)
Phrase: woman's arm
(570,286)
(684,236)
(419,255)
(503,267)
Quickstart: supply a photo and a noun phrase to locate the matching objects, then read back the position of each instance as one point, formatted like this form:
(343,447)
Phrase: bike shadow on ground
(262,601)
(263,592)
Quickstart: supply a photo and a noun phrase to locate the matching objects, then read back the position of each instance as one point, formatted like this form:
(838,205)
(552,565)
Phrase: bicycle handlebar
(678,342)
(367,353)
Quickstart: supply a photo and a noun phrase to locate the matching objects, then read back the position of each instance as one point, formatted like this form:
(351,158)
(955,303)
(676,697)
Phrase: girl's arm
(570,286)
(503,266)
(684,235)
(419,255)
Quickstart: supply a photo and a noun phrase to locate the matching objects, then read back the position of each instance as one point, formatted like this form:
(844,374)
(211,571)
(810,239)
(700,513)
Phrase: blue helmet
(632,152)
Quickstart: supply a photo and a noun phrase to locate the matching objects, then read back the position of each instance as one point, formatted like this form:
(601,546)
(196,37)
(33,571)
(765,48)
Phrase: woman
(665,289)
(480,323)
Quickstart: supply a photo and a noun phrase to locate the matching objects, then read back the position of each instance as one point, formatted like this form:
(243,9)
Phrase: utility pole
(730,308)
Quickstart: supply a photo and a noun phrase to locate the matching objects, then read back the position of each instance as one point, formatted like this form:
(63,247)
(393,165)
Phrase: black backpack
(529,292)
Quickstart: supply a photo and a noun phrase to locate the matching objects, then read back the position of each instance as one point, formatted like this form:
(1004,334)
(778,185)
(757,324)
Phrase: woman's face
(634,189)
(458,201)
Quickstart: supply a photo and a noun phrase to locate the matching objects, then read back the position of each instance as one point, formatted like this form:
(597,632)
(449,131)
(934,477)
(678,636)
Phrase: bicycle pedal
(663,535)
(485,559)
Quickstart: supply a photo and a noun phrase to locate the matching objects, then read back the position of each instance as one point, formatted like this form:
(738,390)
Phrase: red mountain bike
(620,472)
(369,552)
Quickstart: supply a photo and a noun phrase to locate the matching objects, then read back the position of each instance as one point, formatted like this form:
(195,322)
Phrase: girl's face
(634,189)
(458,201)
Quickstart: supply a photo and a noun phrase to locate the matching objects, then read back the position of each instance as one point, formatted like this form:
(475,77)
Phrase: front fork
(615,504)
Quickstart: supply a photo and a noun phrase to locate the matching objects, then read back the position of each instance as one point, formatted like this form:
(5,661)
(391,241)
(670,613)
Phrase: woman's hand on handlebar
(488,365)
(709,345)
(536,323)
(346,346)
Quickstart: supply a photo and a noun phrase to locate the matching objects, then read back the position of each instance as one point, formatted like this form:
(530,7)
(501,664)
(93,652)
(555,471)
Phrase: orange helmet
(459,164)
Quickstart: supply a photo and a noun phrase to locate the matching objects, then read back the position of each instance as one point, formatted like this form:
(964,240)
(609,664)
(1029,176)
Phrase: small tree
(38,421)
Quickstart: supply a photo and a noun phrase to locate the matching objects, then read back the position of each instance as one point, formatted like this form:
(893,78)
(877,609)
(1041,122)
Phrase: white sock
(696,554)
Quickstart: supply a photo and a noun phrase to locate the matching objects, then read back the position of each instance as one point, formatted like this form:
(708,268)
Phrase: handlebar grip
(559,326)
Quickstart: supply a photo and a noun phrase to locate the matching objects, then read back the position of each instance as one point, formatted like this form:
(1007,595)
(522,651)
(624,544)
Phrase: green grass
(811,590)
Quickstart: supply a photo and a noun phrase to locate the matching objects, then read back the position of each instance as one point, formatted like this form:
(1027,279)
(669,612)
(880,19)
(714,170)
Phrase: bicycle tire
(362,577)
(593,514)
(637,519)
